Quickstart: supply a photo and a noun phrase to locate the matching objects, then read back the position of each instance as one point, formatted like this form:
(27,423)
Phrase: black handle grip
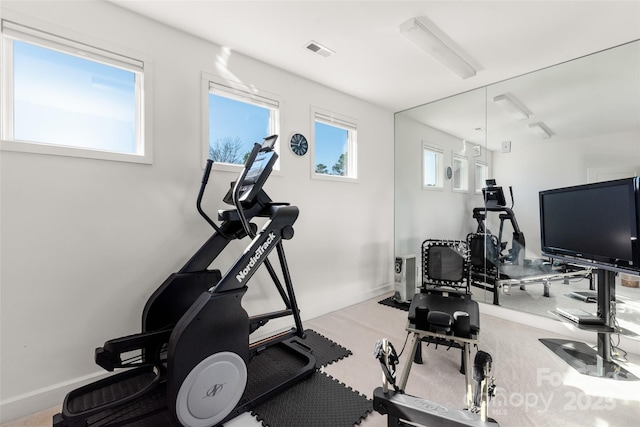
(207,172)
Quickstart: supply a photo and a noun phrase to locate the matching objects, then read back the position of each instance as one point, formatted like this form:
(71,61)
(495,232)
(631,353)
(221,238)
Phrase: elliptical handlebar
(246,192)
(513,201)
(207,172)
(203,185)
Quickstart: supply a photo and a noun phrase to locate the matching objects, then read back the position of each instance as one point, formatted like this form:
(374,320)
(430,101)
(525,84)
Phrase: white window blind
(31,35)
(243,95)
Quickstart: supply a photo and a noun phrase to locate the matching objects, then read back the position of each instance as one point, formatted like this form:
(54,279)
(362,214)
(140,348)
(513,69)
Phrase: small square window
(432,167)
(460,178)
(236,120)
(334,148)
(482,173)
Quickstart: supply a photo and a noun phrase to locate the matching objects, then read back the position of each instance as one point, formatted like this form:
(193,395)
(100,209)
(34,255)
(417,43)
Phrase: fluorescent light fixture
(512,106)
(541,129)
(424,34)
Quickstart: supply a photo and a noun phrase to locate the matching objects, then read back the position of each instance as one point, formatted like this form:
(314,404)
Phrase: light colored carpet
(532,300)
(535,387)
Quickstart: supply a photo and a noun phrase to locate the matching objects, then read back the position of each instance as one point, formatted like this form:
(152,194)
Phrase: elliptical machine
(494,201)
(194,363)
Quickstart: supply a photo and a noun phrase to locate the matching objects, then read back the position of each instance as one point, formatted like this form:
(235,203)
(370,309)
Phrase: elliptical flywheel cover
(211,390)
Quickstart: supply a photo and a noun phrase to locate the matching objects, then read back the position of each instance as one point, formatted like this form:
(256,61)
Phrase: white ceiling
(374,62)
(589,98)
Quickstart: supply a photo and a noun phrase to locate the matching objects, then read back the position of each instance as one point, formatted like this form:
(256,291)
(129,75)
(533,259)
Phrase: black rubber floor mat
(276,365)
(323,349)
(390,302)
(319,401)
(264,369)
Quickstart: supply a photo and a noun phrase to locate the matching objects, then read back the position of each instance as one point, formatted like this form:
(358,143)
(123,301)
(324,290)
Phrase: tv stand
(583,358)
(606,294)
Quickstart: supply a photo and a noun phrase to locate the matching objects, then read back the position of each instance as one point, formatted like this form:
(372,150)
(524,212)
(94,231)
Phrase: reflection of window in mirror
(460,173)
(432,167)
(482,173)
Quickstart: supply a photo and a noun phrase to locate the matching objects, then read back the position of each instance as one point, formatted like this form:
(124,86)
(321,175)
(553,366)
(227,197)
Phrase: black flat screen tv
(593,224)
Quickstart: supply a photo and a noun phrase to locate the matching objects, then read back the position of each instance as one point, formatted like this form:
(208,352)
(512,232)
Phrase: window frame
(342,122)
(464,178)
(478,190)
(80,45)
(243,93)
(439,166)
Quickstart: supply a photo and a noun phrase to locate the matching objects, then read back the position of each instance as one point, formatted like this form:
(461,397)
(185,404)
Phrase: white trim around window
(213,84)
(460,173)
(432,158)
(71,44)
(339,121)
(479,181)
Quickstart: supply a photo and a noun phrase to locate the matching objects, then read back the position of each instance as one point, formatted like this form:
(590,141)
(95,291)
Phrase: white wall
(536,165)
(428,213)
(85,242)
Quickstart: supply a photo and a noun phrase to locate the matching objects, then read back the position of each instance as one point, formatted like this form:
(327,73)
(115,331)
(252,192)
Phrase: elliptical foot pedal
(112,390)
(105,394)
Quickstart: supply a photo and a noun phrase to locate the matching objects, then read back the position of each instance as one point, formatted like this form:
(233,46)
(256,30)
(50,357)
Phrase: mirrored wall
(569,124)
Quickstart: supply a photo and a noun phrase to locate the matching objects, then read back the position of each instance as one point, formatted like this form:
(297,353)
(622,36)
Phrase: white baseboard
(345,300)
(43,398)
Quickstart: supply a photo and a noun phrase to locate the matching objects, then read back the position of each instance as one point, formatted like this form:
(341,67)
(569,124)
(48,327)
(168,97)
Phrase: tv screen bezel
(572,255)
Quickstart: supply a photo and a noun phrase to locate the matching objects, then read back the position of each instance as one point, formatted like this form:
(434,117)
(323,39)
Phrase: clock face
(299,144)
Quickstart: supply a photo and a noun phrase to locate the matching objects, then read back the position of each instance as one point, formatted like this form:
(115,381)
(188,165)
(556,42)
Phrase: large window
(334,148)
(432,167)
(65,97)
(237,119)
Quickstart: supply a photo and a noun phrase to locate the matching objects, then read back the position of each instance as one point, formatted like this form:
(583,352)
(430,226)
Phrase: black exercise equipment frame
(197,311)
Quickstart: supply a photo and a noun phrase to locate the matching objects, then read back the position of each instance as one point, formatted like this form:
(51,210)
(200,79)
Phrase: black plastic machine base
(399,406)
(270,371)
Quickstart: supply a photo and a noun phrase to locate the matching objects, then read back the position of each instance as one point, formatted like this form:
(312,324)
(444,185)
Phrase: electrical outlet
(506,146)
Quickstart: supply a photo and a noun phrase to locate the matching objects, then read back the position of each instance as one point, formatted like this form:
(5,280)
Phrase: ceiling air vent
(319,49)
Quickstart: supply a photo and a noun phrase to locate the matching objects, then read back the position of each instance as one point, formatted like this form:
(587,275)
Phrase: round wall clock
(449,172)
(299,144)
